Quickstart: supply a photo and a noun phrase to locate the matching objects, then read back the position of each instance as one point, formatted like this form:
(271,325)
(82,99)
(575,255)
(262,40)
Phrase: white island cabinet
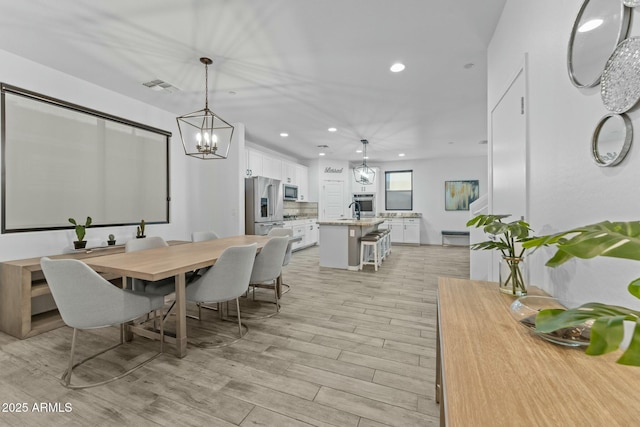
(340,239)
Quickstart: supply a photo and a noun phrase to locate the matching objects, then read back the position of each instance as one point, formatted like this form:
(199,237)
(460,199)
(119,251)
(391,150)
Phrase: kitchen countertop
(400,215)
(365,222)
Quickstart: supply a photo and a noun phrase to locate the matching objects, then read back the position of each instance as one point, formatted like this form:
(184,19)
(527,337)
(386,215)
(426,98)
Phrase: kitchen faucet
(357,209)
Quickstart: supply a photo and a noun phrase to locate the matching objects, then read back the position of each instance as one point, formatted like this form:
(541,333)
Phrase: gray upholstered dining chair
(199,236)
(160,287)
(287,257)
(268,266)
(87,300)
(226,280)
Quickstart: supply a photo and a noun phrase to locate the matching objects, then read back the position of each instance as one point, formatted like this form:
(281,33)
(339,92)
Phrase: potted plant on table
(112,240)
(81,231)
(611,239)
(507,238)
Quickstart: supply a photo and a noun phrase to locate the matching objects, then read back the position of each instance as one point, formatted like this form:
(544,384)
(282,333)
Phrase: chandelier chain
(206,86)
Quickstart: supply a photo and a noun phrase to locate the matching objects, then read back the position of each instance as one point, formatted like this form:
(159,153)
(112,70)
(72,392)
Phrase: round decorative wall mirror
(597,30)
(611,139)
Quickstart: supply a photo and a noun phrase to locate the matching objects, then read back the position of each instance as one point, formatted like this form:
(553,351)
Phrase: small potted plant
(140,232)
(508,238)
(112,240)
(81,231)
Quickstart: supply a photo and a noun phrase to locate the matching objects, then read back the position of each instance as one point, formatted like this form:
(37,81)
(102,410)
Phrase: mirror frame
(623,31)
(625,147)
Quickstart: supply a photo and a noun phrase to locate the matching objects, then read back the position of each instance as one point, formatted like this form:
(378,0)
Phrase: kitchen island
(340,241)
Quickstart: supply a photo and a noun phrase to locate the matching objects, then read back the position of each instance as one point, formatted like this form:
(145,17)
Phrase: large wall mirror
(61,160)
(597,30)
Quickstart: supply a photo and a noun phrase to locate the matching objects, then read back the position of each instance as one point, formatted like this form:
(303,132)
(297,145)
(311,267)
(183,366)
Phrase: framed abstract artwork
(458,195)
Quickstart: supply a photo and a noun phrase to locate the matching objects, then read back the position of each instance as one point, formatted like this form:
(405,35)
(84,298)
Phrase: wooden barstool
(370,241)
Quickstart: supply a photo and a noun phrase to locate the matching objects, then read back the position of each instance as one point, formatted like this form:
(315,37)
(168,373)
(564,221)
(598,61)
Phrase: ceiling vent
(159,85)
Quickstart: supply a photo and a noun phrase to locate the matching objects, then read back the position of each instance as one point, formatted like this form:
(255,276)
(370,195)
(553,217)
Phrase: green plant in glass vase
(610,239)
(507,238)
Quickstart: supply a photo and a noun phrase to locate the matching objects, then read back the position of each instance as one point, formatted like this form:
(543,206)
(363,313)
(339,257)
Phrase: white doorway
(332,201)
(508,189)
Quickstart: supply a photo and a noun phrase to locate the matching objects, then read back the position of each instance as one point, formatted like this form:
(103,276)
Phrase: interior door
(332,199)
(508,156)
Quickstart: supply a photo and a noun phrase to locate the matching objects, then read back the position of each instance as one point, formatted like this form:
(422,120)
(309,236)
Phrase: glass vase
(512,276)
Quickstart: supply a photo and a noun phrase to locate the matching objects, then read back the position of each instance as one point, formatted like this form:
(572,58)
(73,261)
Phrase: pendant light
(363,173)
(204,134)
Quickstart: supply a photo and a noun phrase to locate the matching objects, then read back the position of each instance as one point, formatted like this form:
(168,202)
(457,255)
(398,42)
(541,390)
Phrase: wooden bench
(451,233)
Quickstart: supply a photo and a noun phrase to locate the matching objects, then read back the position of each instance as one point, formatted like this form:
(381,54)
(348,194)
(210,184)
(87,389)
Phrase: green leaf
(634,288)
(72,221)
(606,332)
(612,239)
(631,355)
(606,335)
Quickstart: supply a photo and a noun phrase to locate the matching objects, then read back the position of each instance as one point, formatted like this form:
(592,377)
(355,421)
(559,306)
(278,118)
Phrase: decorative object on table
(458,195)
(140,232)
(599,27)
(508,238)
(363,174)
(204,134)
(112,240)
(611,239)
(81,231)
(620,84)
(611,139)
(526,308)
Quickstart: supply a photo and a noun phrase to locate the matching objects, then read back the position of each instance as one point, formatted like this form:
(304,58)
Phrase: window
(61,160)
(398,190)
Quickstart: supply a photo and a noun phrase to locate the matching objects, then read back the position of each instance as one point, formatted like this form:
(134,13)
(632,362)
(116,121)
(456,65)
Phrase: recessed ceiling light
(284,134)
(332,129)
(397,67)
(322,154)
(365,157)
(358,151)
(401,155)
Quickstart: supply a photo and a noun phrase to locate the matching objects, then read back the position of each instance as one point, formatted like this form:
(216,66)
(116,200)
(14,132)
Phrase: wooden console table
(22,280)
(491,371)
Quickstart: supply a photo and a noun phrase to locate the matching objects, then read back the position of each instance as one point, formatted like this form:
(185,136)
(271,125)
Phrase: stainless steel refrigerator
(263,205)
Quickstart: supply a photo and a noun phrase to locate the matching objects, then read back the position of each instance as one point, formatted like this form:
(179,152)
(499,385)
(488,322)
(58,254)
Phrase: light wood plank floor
(348,349)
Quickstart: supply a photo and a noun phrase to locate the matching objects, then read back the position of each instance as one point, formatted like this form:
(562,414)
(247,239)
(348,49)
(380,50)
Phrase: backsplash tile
(300,209)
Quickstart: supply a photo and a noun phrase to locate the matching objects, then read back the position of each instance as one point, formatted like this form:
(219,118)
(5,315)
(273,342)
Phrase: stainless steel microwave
(290,192)
(366,204)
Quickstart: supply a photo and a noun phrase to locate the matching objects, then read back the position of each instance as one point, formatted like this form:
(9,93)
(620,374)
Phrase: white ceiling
(295,66)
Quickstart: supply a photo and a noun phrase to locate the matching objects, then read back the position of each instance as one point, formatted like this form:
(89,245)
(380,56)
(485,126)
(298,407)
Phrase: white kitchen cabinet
(302,181)
(271,167)
(397,230)
(310,232)
(306,229)
(253,163)
(403,230)
(288,172)
(411,232)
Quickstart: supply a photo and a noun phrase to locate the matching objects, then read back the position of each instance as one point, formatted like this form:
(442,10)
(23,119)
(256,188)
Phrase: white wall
(204,194)
(428,195)
(566,188)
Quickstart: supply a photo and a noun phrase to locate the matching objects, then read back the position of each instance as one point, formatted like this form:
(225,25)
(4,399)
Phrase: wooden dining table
(160,263)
